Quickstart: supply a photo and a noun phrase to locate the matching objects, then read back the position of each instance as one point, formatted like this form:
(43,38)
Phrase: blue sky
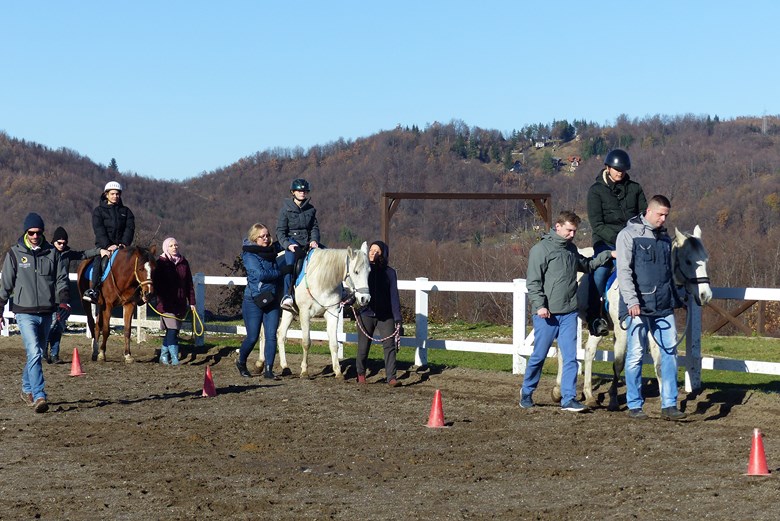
(172,89)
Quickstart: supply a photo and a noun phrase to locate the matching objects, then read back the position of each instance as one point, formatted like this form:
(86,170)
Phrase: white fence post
(518,325)
(199,281)
(140,332)
(6,309)
(693,360)
(421,323)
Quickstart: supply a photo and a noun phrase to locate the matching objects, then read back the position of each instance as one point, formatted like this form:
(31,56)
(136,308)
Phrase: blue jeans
(34,329)
(289,260)
(55,333)
(564,328)
(664,332)
(253,317)
(597,282)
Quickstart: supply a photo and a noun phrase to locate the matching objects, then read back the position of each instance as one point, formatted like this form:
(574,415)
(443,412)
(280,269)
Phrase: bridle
(346,281)
(679,274)
(144,286)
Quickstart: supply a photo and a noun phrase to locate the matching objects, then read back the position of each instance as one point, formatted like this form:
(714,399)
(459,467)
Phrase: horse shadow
(718,403)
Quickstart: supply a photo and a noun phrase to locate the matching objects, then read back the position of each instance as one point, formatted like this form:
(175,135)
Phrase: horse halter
(692,280)
(350,284)
(142,284)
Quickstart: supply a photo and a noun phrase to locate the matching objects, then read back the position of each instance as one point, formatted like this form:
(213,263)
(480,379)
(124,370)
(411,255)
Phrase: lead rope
(195,319)
(396,333)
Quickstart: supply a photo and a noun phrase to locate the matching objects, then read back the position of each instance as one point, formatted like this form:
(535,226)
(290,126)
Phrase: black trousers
(382,328)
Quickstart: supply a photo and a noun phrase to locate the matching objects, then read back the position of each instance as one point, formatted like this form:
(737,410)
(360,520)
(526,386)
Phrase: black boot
(242,370)
(268,374)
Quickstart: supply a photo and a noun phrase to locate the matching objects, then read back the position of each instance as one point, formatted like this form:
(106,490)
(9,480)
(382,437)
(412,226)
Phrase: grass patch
(740,348)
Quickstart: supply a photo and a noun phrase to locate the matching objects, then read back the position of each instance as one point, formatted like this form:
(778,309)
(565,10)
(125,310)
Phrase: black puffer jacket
(112,224)
(611,205)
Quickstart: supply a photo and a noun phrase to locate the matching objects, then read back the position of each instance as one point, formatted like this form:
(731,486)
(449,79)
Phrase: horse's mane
(329,266)
(143,253)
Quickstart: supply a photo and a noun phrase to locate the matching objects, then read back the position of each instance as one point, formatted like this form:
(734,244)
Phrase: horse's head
(689,265)
(356,277)
(144,263)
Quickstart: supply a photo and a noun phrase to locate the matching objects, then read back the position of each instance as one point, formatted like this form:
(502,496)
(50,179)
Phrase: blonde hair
(254,231)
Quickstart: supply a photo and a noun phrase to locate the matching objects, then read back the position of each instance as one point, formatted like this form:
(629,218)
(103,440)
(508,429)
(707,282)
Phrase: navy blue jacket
(262,269)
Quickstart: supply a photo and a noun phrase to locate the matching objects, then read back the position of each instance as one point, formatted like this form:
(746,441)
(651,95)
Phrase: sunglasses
(34,233)
(60,243)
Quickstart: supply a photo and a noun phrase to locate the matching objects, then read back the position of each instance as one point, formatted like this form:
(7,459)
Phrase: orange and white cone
(757,462)
(208,384)
(436,417)
(75,364)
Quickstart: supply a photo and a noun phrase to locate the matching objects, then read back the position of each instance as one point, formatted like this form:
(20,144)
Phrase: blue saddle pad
(88,271)
(303,268)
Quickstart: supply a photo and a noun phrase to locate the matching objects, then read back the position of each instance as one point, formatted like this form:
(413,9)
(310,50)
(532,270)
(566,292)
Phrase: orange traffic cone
(436,417)
(208,384)
(75,365)
(757,461)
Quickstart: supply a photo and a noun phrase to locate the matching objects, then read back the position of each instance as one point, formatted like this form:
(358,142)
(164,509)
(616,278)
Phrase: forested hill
(723,175)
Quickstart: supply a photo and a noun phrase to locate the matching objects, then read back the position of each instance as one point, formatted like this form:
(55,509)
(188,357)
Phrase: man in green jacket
(553,264)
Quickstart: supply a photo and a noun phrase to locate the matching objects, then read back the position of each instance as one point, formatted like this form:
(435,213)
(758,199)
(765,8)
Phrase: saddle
(106,263)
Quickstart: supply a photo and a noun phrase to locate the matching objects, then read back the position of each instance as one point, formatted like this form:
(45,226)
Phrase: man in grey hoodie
(553,264)
(36,275)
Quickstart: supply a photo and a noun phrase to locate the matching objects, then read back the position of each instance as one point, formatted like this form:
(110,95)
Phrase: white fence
(522,344)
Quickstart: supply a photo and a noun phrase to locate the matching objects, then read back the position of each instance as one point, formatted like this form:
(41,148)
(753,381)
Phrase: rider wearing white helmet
(114,227)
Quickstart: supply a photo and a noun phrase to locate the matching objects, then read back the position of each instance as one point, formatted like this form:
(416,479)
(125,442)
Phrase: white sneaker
(288,303)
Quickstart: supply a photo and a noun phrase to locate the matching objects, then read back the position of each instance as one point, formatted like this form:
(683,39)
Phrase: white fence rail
(522,344)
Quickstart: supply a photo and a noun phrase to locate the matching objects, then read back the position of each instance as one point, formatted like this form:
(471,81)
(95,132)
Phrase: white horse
(689,268)
(330,277)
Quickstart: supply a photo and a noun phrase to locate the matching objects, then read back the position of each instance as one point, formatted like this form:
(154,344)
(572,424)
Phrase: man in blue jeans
(37,277)
(648,297)
(553,264)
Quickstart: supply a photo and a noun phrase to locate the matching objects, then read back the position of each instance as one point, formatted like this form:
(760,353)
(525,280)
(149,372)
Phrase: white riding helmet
(112,185)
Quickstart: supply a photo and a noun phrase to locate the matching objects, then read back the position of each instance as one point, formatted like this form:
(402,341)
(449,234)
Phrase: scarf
(173,258)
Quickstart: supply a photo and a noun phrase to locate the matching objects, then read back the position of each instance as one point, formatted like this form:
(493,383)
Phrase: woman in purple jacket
(175,292)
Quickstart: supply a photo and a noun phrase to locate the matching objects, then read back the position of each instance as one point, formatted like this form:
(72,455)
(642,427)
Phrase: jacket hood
(604,178)
(385,252)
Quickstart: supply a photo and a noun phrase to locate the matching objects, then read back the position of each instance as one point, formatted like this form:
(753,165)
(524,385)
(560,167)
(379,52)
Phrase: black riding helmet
(300,184)
(619,160)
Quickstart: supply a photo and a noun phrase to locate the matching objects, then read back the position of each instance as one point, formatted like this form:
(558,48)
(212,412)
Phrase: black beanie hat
(60,235)
(33,220)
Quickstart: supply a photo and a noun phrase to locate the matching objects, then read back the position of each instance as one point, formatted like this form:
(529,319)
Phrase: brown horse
(129,283)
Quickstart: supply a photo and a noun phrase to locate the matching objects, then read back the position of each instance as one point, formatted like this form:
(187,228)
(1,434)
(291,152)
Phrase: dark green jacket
(551,281)
(611,205)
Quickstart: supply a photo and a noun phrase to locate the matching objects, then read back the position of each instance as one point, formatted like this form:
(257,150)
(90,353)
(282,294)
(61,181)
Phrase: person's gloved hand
(400,328)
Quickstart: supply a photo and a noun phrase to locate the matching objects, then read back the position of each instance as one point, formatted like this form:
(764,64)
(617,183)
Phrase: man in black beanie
(36,275)
(60,318)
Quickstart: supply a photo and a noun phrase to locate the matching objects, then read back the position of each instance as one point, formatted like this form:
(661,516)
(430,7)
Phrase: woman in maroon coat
(175,292)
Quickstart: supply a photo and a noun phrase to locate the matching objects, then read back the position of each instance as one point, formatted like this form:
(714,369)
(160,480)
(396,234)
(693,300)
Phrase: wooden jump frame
(391,200)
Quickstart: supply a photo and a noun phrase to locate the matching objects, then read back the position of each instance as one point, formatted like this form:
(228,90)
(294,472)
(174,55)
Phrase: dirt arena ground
(139,442)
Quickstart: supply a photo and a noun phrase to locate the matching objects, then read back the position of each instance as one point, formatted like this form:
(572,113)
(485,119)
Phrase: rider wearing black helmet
(612,200)
(297,228)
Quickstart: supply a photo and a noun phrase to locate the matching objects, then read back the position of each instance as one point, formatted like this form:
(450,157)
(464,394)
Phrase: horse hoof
(129,359)
(101,357)
(305,375)
(340,376)
(260,365)
(286,371)
(556,395)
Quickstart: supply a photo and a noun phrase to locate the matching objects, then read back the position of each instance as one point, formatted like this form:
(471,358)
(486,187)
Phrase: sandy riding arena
(138,441)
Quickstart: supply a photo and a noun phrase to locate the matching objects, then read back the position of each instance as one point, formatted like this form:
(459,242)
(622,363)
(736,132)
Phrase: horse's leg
(587,380)
(94,327)
(621,338)
(105,326)
(556,392)
(127,314)
(303,316)
(285,322)
(332,324)
(260,364)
